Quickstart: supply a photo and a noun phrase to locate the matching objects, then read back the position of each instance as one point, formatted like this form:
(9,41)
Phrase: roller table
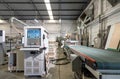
(103,64)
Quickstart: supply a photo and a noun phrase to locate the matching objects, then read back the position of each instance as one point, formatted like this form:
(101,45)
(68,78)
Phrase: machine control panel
(33,36)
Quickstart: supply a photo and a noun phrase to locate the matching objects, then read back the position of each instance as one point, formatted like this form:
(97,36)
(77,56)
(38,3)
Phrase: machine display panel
(34,37)
(33,33)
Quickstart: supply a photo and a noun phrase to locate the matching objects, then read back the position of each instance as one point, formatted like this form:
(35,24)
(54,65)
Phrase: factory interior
(59,39)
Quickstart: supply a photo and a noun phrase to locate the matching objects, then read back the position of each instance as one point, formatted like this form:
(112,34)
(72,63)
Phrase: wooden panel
(115,37)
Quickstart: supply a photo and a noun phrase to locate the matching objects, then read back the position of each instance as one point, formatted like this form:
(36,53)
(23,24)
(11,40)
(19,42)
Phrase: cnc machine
(35,47)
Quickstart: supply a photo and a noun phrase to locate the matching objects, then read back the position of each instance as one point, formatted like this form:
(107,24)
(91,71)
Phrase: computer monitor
(33,37)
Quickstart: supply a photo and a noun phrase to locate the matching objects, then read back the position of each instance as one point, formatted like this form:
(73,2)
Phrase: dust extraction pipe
(13,18)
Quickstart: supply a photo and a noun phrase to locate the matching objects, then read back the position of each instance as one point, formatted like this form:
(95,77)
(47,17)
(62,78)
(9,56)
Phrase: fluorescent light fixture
(60,21)
(78,27)
(48,6)
(51,21)
(36,20)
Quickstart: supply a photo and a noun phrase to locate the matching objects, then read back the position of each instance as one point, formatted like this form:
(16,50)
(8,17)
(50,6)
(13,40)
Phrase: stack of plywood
(114,37)
(52,51)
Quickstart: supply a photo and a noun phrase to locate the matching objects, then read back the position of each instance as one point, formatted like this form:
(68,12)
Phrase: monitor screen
(33,37)
(1,32)
(33,33)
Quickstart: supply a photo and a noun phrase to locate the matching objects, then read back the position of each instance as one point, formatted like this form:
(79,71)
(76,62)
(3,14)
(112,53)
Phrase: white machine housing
(2,46)
(2,36)
(35,42)
(33,35)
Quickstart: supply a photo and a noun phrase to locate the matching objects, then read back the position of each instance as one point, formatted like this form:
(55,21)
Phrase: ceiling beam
(9,7)
(42,10)
(43,18)
(81,2)
(40,15)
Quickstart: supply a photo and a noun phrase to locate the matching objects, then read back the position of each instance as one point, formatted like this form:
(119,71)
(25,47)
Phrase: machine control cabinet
(35,39)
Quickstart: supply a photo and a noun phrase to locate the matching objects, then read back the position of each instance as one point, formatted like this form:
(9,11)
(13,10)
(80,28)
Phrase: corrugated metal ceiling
(30,9)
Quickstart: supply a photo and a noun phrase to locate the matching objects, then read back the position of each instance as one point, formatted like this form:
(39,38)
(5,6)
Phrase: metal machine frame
(104,74)
(98,73)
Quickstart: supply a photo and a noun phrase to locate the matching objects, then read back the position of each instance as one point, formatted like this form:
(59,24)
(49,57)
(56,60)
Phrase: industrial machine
(15,42)
(2,47)
(103,64)
(35,47)
(15,56)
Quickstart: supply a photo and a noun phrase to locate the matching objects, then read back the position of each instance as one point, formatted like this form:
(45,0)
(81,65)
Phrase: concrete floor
(54,72)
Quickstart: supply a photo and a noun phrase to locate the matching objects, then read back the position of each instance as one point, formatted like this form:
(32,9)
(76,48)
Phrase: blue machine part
(33,33)
(34,37)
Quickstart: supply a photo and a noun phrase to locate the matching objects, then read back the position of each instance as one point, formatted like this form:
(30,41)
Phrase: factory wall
(98,8)
(110,16)
(10,32)
(53,30)
(93,31)
(60,29)
(106,5)
(5,27)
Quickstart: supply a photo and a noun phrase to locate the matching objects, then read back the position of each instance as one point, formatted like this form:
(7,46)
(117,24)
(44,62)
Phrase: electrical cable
(59,72)
(65,59)
(55,62)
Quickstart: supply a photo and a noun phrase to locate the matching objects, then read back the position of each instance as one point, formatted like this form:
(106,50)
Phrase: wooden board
(115,37)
